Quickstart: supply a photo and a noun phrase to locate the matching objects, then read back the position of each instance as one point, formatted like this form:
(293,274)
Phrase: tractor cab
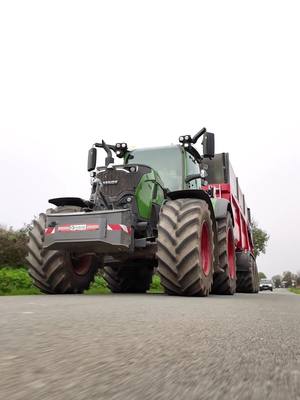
(167,161)
(174,164)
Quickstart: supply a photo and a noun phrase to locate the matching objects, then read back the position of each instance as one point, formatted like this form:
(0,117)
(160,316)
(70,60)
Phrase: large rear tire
(58,272)
(225,282)
(185,249)
(129,278)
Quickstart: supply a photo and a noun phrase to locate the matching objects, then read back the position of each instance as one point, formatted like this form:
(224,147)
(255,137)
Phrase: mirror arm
(198,135)
(194,153)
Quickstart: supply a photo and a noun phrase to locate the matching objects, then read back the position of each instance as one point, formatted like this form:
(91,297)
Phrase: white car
(266,284)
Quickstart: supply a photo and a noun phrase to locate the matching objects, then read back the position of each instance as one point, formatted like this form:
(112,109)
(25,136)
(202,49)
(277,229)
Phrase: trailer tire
(185,247)
(58,272)
(128,278)
(225,282)
(248,281)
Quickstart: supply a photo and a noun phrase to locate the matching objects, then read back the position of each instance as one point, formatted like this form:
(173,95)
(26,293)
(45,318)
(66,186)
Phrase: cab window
(193,168)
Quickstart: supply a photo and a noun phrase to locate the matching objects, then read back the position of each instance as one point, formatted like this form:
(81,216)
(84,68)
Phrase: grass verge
(16,282)
(295,290)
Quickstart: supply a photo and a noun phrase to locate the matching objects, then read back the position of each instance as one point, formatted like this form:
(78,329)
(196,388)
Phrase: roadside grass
(16,282)
(295,290)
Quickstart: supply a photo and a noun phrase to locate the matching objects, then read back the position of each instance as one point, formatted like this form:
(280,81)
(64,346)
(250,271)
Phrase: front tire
(58,272)
(185,249)
(129,278)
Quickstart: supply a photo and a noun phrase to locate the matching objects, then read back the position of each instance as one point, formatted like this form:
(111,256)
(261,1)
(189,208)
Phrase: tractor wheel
(128,278)
(225,282)
(185,249)
(58,272)
(247,276)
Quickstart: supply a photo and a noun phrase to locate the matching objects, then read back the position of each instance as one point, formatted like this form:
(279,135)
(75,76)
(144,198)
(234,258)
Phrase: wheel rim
(230,253)
(82,265)
(205,249)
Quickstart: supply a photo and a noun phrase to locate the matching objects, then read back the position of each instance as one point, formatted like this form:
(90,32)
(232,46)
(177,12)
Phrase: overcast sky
(145,72)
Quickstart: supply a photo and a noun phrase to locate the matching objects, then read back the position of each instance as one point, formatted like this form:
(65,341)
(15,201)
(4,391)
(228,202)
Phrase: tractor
(157,211)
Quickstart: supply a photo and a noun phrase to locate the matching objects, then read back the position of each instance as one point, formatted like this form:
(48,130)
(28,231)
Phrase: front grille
(119,180)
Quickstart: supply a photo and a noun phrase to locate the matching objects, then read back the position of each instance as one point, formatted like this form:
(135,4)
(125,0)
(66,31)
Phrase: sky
(73,73)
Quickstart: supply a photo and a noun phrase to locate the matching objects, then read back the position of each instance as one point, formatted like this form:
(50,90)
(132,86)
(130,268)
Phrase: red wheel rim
(205,249)
(82,265)
(230,253)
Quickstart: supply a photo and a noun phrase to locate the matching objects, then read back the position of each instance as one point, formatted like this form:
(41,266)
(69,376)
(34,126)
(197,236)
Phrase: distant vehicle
(266,284)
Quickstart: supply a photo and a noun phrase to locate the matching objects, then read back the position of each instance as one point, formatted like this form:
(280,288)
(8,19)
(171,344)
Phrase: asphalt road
(140,347)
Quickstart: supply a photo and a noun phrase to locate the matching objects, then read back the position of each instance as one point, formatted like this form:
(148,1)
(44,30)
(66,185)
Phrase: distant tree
(289,278)
(261,275)
(298,279)
(13,246)
(260,239)
(277,280)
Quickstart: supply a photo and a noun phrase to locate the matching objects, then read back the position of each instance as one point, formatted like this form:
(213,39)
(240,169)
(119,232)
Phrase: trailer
(223,183)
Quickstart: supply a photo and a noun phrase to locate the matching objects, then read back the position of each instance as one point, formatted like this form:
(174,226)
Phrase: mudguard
(221,208)
(70,201)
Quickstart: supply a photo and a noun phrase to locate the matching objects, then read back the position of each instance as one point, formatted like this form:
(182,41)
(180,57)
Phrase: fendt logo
(110,182)
(78,227)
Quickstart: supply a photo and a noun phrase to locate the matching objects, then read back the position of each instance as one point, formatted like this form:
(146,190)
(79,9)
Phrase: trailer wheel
(225,282)
(247,276)
(185,249)
(129,278)
(58,272)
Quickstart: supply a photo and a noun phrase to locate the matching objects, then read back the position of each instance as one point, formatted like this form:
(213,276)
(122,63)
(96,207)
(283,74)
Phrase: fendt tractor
(168,210)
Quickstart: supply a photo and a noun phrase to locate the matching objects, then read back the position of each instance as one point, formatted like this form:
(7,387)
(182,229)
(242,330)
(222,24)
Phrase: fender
(202,195)
(191,194)
(70,201)
(221,208)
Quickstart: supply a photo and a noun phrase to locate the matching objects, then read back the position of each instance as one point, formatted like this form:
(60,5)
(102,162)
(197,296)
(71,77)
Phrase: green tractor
(149,213)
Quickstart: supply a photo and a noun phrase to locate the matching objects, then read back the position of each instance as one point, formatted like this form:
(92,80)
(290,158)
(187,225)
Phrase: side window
(193,168)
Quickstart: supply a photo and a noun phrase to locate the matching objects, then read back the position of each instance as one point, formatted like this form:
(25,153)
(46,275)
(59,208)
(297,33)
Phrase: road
(152,347)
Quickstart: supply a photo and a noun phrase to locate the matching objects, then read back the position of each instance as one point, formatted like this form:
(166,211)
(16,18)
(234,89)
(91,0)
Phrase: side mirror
(208,145)
(92,158)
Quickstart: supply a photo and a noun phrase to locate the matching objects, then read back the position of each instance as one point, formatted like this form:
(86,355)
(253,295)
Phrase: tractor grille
(119,180)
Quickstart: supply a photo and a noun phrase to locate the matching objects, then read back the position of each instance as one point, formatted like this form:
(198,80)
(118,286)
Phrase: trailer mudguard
(221,208)
(70,201)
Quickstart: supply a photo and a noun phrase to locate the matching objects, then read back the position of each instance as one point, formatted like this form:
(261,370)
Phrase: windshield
(166,161)
(265,281)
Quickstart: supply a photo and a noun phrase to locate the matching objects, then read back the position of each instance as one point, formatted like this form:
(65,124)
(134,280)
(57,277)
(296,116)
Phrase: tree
(260,239)
(261,275)
(13,246)
(289,278)
(298,279)
(277,280)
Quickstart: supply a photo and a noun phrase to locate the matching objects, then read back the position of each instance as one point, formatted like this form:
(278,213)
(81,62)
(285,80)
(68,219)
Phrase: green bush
(12,280)
(156,285)
(98,286)
(13,246)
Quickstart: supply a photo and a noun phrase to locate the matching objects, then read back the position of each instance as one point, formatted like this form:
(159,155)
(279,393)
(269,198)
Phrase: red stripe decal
(119,227)
(49,230)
